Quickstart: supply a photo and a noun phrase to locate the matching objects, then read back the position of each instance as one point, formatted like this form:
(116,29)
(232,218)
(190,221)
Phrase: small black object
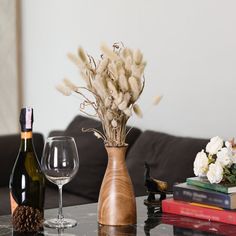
(154,187)
(154,218)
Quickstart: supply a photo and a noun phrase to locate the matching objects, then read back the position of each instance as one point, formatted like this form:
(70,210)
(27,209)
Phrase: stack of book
(200,199)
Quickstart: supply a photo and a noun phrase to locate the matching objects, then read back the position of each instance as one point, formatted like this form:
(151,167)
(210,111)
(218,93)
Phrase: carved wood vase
(116,204)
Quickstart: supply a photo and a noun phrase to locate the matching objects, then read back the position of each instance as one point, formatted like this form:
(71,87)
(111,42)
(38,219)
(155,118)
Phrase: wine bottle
(27,183)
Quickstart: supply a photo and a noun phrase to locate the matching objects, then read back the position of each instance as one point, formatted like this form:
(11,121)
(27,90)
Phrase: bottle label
(13,204)
(28,118)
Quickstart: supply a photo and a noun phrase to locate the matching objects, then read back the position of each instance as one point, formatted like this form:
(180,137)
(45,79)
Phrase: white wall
(190,47)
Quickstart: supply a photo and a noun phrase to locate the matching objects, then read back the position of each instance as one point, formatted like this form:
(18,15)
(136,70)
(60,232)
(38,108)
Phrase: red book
(199,211)
(198,225)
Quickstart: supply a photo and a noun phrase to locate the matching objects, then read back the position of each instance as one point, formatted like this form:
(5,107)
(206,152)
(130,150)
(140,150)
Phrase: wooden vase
(116,204)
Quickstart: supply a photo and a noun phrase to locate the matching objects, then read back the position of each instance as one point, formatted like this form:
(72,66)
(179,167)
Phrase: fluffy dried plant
(116,81)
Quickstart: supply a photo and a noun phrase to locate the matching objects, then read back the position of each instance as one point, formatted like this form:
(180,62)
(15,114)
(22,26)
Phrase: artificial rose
(232,149)
(215,144)
(215,173)
(224,157)
(200,165)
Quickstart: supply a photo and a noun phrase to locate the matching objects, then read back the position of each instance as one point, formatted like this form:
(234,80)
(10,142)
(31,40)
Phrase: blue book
(190,193)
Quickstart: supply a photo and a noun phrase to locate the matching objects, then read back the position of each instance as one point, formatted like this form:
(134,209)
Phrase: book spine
(201,184)
(201,196)
(187,209)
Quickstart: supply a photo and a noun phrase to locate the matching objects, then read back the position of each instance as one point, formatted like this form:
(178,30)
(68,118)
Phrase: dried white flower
(200,165)
(215,144)
(225,157)
(116,82)
(215,173)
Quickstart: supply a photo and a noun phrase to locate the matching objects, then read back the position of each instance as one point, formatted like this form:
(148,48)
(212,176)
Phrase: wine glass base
(60,224)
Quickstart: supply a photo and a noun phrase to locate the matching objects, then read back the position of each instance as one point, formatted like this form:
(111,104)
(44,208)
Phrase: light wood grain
(116,205)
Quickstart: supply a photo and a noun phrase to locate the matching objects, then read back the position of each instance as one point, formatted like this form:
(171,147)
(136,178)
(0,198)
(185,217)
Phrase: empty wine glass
(60,162)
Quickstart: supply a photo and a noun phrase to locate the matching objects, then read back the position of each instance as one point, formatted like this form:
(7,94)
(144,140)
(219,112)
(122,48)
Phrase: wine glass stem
(60,215)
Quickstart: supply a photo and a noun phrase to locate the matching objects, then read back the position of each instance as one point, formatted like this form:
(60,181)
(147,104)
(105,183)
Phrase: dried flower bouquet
(116,81)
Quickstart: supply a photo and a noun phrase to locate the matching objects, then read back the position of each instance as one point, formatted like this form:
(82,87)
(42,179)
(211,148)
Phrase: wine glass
(60,162)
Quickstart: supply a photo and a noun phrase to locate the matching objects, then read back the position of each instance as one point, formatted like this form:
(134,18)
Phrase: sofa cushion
(170,158)
(9,147)
(93,157)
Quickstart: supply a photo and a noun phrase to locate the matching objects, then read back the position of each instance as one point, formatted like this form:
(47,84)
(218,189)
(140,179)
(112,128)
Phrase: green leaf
(234,171)
(231,179)
(226,171)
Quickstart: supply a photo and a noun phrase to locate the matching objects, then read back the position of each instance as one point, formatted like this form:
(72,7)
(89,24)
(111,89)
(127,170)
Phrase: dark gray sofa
(169,157)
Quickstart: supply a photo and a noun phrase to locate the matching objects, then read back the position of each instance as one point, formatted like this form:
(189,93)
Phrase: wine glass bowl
(60,162)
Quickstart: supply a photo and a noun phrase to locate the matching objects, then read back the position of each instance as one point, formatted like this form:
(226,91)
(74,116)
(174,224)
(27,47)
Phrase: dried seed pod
(135,88)
(82,55)
(128,64)
(63,89)
(126,52)
(109,53)
(107,102)
(123,83)
(99,83)
(137,110)
(70,85)
(102,65)
(113,91)
(128,112)
(109,115)
(157,100)
(114,123)
(75,59)
(113,70)
(138,57)
(113,106)
(137,71)
(119,99)
(125,103)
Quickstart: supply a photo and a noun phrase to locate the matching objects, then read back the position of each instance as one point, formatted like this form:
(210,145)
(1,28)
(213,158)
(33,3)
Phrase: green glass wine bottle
(27,183)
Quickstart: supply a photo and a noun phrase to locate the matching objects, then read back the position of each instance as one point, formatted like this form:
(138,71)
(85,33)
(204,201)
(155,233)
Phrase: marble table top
(150,222)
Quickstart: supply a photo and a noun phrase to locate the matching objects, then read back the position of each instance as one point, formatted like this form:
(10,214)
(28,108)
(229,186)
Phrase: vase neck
(116,155)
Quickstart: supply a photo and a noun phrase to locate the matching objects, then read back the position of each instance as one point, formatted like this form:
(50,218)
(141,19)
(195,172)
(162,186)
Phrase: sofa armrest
(56,133)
